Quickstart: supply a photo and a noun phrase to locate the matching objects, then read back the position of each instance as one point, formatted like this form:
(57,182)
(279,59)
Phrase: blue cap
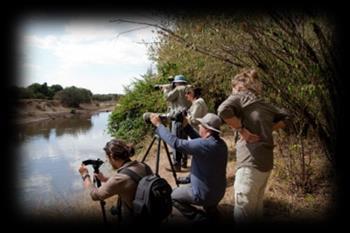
(180,79)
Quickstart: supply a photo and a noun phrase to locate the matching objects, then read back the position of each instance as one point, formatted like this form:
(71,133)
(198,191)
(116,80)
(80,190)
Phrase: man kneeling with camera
(118,154)
(208,168)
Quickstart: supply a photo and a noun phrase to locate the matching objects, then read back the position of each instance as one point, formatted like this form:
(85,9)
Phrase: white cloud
(89,44)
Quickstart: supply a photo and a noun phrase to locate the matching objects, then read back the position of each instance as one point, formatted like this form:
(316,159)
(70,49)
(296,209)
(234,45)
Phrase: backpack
(152,201)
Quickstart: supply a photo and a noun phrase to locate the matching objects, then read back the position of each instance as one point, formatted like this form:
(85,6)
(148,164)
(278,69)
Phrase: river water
(48,158)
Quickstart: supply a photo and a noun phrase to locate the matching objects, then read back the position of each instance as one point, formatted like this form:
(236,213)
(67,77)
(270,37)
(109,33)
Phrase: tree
(294,54)
(73,96)
(53,90)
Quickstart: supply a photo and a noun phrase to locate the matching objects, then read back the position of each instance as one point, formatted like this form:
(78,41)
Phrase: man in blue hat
(178,103)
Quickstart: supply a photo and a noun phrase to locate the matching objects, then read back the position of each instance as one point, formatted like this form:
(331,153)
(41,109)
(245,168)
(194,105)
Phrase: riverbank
(35,110)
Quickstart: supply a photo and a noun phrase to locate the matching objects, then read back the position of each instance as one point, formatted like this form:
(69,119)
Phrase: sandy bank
(34,110)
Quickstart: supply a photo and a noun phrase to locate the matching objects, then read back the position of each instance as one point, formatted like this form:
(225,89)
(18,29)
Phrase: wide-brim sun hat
(211,121)
(179,79)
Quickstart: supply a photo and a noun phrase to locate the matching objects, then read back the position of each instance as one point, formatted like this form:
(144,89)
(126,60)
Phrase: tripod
(96,165)
(102,203)
(156,137)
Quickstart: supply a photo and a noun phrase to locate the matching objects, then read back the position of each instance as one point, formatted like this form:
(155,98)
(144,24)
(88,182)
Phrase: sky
(84,51)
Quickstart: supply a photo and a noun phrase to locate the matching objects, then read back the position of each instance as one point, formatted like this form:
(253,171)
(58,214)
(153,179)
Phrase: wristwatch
(85,176)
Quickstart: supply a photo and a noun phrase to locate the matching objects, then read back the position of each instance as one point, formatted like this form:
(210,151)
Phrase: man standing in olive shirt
(255,120)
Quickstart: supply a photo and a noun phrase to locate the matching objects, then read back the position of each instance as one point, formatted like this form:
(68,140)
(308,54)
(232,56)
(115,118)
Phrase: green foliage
(73,96)
(105,97)
(126,120)
(22,92)
(53,90)
(293,53)
(38,91)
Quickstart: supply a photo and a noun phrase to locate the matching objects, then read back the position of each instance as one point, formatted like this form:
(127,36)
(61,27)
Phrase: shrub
(73,96)
(126,120)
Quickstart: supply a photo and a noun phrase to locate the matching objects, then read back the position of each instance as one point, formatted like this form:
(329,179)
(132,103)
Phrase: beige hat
(211,121)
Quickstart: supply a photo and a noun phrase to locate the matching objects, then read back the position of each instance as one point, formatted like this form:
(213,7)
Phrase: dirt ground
(225,205)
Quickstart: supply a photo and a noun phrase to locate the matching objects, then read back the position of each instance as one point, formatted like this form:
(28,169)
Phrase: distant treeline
(69,96)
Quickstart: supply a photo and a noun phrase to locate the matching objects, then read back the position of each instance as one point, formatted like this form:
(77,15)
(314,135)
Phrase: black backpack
(152,201)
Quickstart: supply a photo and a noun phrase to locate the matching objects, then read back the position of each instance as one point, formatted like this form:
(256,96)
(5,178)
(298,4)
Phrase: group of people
(198,135)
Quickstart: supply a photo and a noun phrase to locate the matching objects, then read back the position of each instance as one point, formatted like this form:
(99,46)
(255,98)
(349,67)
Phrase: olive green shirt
(258,117)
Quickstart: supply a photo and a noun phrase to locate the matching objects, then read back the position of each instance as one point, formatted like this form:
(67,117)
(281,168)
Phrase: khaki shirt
(198,109)
(120,184)
(177,100)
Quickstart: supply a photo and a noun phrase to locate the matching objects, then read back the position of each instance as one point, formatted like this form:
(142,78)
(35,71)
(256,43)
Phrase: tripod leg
(171,163)
(102,203)
(158,156)
(148,149)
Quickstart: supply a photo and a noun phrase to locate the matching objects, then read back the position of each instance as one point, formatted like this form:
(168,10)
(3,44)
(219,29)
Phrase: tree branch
(183,41)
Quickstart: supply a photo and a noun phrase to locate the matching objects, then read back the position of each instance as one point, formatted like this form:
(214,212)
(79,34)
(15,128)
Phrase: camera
(95,163)
(165,117)
(167,87)
(164,86)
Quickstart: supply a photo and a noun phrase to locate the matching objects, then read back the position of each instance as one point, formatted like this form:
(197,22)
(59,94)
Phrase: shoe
(200,218)
(183,180)
(177,168)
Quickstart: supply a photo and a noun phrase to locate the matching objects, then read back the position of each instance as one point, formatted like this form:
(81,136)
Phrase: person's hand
(248,136)
(83,170)
(101,177)
(185,120)
(155,119)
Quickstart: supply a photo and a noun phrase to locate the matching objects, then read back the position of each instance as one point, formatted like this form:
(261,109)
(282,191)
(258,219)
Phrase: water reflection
(59,126)
(49,155)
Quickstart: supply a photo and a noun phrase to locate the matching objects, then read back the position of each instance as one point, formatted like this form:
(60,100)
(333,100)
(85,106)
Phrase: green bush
(126,120)
(37,91)
(105,97)
(73,96)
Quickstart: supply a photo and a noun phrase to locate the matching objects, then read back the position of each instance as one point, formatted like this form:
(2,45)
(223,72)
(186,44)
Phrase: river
(48,157)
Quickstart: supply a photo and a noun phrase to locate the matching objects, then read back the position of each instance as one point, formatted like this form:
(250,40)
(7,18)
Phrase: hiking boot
(177,168)
(183,180)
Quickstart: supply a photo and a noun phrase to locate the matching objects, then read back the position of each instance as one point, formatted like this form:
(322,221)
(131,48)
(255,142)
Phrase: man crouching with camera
(208,170)
(118,154)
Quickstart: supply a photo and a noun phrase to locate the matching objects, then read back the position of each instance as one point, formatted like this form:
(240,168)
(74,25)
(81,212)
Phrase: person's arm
(235,124)
(101,177)
(172,95)
(102,192)
(85,176)
(183,145)
(228,111)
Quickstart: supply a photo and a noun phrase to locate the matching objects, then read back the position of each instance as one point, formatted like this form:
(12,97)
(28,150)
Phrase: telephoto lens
(163,117)
(147,117)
